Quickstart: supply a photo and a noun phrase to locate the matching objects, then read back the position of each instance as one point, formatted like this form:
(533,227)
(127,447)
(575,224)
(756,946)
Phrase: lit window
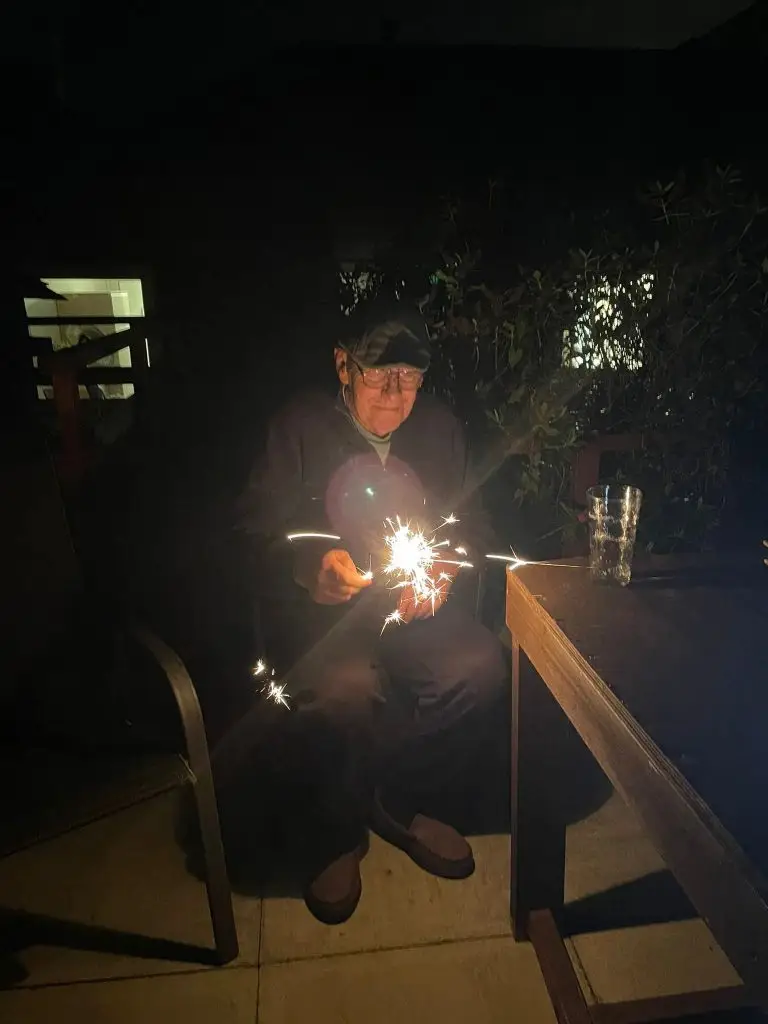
(89,299)
(599,338)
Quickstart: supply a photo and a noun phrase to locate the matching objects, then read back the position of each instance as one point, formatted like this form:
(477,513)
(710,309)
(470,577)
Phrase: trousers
(402,711)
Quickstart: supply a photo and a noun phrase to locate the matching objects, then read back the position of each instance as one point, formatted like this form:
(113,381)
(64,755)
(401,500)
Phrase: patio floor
(416,947)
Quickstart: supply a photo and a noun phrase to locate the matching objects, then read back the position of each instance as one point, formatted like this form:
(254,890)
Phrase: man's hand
(336,580)
(409,608)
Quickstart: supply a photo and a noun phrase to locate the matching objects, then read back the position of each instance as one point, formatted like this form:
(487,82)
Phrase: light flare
(517,563)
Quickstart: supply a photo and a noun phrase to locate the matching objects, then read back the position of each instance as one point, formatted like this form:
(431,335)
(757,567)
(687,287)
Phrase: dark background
(242,157)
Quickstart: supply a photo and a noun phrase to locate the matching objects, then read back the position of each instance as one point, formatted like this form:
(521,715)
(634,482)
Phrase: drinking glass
(613,514)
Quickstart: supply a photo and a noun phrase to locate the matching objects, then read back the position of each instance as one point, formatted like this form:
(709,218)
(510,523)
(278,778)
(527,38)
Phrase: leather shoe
(434,846)
(333,894)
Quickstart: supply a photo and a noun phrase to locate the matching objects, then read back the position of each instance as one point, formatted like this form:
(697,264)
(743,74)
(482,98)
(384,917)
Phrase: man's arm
(274,504)
(272,496)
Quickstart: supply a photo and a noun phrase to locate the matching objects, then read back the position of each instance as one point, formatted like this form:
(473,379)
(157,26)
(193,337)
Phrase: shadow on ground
(20,929)
(653,899)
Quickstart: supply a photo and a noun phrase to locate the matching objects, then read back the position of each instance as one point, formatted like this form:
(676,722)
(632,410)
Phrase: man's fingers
(347,572)
(408,614)
(340,591)
(428,608)
(335,594)
(409,603)
(338,579)
(409,608)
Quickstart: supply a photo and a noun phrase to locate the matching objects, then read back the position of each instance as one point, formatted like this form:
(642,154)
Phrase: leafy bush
(647,320)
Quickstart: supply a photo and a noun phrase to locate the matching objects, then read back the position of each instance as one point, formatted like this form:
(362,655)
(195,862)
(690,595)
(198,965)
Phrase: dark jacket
(319,473)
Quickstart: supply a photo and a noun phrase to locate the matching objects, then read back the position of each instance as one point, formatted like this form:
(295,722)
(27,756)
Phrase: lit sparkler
(271,689)
(413,555)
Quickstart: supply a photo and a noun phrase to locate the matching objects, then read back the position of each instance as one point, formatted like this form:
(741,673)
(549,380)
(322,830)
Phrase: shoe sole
(454,870)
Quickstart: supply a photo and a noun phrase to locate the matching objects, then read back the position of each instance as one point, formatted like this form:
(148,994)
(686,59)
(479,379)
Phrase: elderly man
(391,717)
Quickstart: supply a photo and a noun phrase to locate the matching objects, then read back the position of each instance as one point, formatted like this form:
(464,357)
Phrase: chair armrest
(184,694)
(586,465)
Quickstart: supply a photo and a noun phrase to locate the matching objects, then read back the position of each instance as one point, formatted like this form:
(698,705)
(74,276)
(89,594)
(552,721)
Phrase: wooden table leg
(537,879)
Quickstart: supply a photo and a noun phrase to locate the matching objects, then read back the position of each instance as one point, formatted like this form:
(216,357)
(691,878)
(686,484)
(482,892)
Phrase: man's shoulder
(305,408)
(429,410)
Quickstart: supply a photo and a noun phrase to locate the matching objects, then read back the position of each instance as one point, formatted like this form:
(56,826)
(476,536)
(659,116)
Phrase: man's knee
(469,674)
(345,692)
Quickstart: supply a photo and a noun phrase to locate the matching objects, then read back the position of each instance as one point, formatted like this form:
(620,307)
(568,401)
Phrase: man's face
(379,407)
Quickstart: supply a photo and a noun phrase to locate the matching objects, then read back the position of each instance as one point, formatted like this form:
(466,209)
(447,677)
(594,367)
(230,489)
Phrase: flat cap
(389,336)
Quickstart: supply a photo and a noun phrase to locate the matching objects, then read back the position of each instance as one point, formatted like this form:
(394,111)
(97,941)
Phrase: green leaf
(514,356)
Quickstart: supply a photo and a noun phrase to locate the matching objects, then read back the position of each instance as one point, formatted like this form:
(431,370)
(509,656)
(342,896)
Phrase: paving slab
(225,996)
(486,981)
(401,906)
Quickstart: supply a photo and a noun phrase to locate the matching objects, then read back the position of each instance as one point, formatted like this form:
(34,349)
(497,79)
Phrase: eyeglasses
(376,377)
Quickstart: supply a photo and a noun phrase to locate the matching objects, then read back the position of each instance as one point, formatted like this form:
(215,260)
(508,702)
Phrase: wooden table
(666,682)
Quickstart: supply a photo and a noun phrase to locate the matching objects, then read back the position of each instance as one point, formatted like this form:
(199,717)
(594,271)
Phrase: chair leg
(216,879)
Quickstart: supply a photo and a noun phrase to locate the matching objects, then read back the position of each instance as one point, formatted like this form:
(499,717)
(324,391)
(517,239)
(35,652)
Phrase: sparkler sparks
(272,690)
(412,558)
(394,616)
